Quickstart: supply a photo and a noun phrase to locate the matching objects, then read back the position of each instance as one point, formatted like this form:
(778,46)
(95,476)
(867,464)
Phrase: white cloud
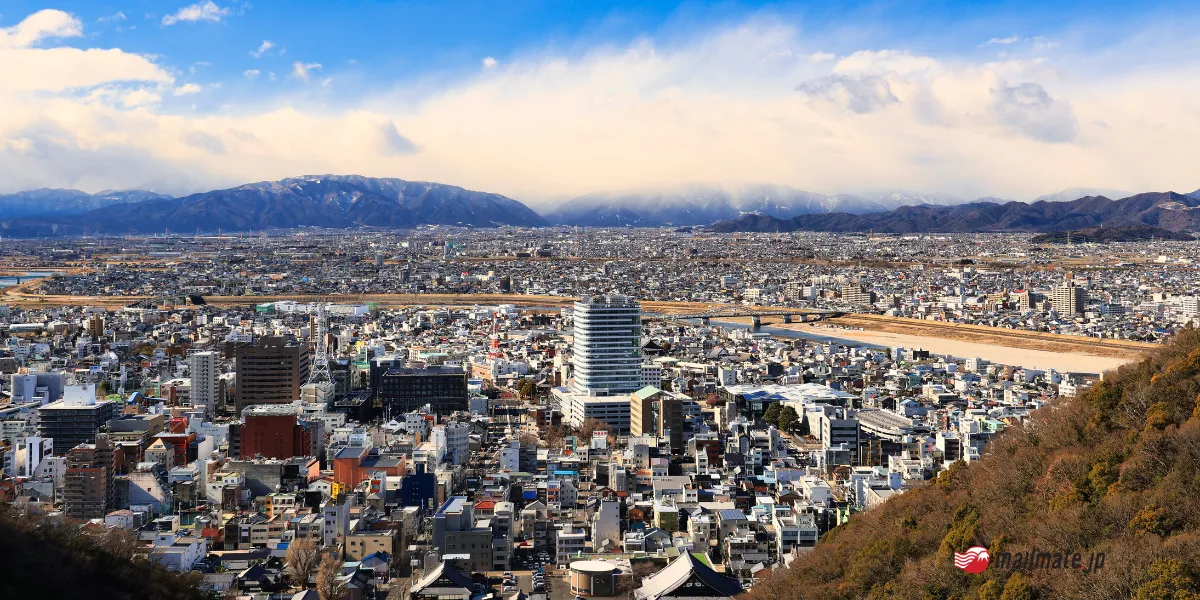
(262,48)
(302,70)
(884,61)
(1004,41)
(251,73)
(140,97)
(115,17)
(748,103)
(489,62)
(860,94)
(58,69)
(200,11)
(188,88)
(43,24)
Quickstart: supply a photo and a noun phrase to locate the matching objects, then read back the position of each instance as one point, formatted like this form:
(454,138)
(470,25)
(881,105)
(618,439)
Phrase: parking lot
(553,584)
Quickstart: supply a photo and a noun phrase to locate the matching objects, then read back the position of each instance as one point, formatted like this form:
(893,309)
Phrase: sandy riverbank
(1077,362)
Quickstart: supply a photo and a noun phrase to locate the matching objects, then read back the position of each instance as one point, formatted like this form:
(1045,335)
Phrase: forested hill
(1115,471)
(47,557)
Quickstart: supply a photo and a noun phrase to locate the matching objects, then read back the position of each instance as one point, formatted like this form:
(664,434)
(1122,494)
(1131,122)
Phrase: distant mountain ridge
(1081,192)
(1102,235)
(58,202)
(704,204)
(1168,210)
(334,201)
(340,201)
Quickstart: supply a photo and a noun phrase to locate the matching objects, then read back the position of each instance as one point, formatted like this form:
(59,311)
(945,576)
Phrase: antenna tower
(318,373)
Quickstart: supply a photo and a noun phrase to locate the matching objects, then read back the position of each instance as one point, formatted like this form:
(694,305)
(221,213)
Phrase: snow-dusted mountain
(47,202)
(1074,193)
(309,201)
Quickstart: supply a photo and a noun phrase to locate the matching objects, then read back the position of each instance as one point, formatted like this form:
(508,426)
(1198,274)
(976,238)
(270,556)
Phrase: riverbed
(1035,359)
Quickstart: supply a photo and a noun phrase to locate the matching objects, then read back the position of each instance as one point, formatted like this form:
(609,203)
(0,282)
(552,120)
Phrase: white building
(613,410)
(510,457)
(178,553)
(652,374)
(205,372)
(37,387)
(607,354)
(458,443)
(568,542)
(606,526)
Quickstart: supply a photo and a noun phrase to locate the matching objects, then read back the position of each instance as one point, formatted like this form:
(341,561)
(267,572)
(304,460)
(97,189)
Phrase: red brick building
(273,435)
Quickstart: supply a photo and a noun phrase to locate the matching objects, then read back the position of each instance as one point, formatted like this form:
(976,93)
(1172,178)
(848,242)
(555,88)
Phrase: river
(7,280)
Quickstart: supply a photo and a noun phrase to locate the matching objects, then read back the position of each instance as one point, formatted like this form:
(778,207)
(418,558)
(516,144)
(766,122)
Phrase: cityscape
(224,398)
(558,313)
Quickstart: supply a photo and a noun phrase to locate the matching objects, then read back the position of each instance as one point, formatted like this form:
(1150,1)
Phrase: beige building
(362,544)
(641,410)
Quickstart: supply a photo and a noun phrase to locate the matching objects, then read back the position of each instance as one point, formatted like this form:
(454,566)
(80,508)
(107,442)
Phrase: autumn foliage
(1116,470)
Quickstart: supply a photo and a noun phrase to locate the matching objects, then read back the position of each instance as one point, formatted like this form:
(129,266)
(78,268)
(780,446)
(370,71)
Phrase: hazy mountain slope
(55,202)
(701,205)
(1079,192)
(1168,210)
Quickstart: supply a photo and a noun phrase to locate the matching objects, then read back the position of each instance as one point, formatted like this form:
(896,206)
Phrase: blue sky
(546,100)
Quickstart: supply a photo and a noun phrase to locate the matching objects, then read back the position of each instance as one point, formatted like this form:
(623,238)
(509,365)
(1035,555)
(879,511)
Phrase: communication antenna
(318,373)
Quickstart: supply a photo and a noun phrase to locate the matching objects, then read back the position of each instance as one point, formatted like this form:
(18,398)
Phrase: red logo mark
(974,560)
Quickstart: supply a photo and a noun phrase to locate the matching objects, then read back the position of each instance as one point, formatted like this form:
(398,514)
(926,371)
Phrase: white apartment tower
(607,349)
(205,373)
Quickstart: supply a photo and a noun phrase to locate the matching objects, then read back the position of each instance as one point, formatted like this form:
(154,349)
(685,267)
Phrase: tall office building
(205,374)
(607,348)
(88,490)
(269,372)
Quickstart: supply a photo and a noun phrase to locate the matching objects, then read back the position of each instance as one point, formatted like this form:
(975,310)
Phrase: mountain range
(50,202)
(703,205)
(312,201)
(341,201)
(1168,210)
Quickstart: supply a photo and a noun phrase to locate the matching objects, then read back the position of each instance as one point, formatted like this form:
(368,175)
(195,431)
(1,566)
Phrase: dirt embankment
(979,334)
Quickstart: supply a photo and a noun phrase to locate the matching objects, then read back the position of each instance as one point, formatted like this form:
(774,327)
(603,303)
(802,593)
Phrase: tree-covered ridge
(47,557)
(1115,471)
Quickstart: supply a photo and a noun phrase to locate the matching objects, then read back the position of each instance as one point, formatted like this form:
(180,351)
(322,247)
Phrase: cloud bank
(757,101)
